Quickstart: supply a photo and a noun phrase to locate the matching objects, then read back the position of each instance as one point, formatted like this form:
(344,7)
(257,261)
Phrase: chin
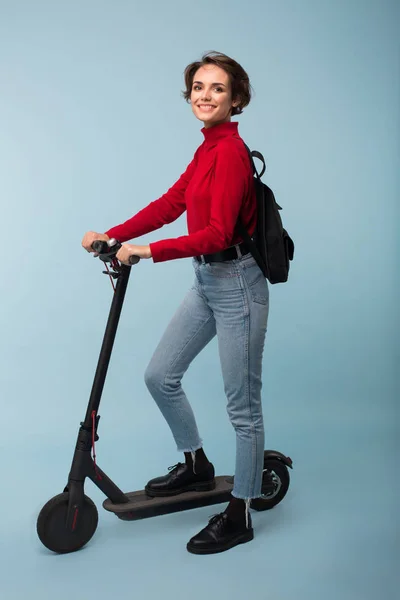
(206,119)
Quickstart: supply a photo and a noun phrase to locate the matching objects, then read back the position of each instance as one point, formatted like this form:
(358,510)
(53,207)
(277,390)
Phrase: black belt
(228,254)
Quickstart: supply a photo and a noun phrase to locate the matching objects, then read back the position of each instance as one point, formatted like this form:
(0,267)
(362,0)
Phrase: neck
(208,125)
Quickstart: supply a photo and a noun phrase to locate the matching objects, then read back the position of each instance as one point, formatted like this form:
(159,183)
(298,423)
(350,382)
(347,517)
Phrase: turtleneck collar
(222,130)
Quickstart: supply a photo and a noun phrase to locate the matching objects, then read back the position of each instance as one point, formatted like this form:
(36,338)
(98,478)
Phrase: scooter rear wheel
(52,530)
(275,484)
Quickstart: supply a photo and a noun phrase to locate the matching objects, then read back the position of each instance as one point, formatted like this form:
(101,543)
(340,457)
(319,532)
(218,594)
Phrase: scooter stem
(107,345)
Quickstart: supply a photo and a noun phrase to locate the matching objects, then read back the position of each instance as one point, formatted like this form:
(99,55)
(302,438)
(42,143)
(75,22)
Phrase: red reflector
(75,519)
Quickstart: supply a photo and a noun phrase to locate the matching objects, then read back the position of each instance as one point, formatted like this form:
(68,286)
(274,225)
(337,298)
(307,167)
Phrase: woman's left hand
(128,250)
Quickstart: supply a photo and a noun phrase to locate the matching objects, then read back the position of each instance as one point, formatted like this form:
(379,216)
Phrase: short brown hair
(240,83)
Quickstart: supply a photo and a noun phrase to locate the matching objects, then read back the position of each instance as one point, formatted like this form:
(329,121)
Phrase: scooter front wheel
(51,524)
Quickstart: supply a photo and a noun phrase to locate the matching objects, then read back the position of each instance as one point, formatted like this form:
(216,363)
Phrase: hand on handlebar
(127,251)
(92,236)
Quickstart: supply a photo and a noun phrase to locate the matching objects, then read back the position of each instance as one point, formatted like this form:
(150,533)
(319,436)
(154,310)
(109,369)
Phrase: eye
(196,87)
(219,89)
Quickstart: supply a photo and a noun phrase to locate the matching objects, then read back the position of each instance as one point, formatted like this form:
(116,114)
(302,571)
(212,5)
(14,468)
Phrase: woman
(229,298)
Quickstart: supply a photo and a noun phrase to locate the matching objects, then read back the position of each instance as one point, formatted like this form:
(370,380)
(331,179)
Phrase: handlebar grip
(100,247)
(133,260)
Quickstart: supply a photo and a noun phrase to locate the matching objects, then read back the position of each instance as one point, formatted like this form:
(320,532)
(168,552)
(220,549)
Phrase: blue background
(93,127)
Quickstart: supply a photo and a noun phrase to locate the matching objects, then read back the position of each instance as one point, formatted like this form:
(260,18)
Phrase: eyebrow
(215,83)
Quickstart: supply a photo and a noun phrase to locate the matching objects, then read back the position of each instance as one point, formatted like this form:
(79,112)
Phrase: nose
(206,97)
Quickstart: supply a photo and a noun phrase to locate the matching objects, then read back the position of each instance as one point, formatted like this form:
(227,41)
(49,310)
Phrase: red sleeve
(230,183)
(158,213)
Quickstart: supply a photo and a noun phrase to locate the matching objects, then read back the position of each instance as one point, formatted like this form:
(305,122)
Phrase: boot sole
(214,549)
(195,487)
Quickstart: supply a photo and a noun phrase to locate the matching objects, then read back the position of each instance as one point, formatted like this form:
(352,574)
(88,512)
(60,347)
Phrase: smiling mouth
(206,107)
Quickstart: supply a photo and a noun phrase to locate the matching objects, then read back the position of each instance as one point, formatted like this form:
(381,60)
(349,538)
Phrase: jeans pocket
(256,283)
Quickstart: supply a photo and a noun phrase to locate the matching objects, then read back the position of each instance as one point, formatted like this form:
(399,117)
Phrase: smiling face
(211,96)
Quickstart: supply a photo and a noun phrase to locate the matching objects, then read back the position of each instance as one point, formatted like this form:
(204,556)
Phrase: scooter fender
(278,456)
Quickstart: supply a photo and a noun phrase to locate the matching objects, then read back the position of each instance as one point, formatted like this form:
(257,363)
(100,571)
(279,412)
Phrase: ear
(236,102)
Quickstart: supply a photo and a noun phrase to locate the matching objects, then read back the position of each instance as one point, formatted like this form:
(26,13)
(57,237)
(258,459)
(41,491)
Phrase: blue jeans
(231,300)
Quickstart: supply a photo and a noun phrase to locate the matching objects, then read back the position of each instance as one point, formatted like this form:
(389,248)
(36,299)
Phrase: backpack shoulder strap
(260,157)
(242,230)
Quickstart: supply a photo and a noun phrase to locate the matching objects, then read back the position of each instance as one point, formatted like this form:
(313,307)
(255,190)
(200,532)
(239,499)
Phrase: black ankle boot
(221,534)
(181,478)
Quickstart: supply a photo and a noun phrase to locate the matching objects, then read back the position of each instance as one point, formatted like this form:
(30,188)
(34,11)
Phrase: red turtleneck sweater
(216,186)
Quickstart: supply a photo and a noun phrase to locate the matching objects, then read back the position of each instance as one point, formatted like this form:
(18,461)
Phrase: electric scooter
(69,520)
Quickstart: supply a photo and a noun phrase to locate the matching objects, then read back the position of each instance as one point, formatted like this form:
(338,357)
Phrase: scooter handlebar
(108,250)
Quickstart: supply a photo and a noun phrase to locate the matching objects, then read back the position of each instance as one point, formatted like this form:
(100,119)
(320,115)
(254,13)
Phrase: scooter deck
(141,506)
